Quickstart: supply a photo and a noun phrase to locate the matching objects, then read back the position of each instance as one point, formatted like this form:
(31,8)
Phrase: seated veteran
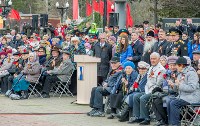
(97,93)
(188,88)
(61,73)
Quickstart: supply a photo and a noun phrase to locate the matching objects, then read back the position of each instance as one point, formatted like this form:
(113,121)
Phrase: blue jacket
(189,45)
(125,54)
(131,79)
(112,80)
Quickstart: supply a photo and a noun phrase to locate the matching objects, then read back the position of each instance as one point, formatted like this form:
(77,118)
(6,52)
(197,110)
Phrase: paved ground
(49,112)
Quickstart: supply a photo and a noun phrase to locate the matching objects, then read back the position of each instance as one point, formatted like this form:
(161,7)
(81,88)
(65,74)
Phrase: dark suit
(137,51)
(160,47)
(105,53)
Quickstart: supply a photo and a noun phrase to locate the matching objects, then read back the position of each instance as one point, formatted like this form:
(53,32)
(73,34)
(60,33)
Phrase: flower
(135,85)
(159,73)
(165,76)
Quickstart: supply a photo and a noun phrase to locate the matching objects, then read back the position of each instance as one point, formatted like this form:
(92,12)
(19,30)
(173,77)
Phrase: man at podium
(97,93)
(104,51)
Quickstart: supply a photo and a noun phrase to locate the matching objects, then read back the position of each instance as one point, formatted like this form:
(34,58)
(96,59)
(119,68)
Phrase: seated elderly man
(140,100)
(188,87)
(96,99)
(162,98)
(60,73)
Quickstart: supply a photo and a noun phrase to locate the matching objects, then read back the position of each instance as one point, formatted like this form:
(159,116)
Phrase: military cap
(25,51)
(123,31)
(196,52)
(16,53)
(55,48)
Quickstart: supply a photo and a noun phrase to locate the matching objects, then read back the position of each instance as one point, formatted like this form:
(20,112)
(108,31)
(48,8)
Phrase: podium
(86,77)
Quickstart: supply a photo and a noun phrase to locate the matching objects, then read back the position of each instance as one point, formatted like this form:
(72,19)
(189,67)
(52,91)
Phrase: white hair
(148,45)
(155,54)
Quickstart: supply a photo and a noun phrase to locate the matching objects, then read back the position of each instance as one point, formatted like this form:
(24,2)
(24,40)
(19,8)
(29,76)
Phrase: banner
(75,9)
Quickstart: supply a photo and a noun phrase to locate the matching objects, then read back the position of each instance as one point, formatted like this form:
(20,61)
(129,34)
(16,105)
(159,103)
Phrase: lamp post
(6,7)
(62,10)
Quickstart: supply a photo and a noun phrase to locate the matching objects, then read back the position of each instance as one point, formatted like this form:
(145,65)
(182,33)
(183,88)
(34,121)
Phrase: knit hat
(112,38)
(181,60)
(87,45)
(129,63)
(143,64)
(172,59)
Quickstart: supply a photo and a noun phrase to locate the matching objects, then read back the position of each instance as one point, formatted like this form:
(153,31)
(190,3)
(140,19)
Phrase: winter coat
(63,71)
(32,73)
(188,88)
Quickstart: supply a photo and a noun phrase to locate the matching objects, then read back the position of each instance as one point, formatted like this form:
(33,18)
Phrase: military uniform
(178,48)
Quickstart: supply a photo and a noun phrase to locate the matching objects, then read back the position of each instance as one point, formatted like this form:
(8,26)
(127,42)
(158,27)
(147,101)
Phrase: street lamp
(62,10)
(6,7)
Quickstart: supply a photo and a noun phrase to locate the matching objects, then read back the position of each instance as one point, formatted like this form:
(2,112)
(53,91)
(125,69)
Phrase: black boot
(124,113)
(24,94)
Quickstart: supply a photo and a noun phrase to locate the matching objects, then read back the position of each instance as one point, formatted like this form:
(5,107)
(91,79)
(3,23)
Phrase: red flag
(109,4)
(88,9)
(101,7)
(75,9)
(1,10)
(95,6)
(129,19)
(14,14)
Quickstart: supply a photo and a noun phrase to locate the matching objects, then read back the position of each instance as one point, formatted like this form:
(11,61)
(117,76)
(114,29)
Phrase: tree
(179,8)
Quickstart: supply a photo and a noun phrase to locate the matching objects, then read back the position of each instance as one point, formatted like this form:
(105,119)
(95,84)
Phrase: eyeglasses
(40,51)
(102,38)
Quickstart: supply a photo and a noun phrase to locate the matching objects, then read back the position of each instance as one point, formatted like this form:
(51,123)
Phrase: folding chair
(191,115)
(63,87)
(33,90)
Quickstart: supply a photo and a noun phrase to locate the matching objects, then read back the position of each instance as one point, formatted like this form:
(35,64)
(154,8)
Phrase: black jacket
(161,49)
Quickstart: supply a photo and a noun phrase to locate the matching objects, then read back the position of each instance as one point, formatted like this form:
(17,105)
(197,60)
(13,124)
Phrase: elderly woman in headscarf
(29,74)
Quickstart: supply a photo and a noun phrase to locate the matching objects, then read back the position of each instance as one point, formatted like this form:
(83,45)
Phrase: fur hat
(150,33)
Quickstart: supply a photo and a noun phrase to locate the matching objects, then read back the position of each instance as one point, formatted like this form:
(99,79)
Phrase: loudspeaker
(34,22)
(44,20)
(113,19)
(41,20)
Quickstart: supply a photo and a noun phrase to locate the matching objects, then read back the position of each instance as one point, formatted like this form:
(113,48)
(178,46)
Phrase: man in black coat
(104,51)
(137,48)
(161,45)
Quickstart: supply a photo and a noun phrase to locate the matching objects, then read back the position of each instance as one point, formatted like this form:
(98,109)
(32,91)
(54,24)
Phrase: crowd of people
(142,68)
